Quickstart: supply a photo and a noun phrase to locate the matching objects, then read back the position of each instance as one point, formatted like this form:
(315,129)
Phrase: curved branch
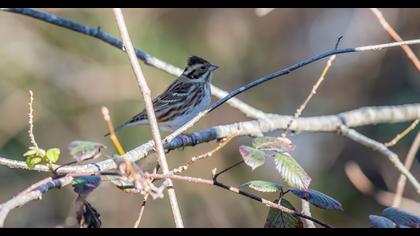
(26,197)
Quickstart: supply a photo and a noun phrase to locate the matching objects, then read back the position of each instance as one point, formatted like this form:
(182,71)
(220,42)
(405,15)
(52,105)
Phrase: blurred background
(73,75)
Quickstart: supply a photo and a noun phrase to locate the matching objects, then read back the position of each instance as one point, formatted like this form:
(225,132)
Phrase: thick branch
(354,118)
(26,197)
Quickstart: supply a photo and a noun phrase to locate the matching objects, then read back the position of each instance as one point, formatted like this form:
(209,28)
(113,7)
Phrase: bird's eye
(202,67)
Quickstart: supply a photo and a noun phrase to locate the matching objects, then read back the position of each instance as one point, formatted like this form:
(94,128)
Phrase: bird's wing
(175,93)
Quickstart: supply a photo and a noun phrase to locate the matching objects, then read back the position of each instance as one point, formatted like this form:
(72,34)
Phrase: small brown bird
(187,96)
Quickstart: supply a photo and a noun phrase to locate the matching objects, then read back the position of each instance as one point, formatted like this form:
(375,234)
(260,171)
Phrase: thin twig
(237,191)
(31,120)
(150,111)
(26,197)
(407,163)
(115,141)
(184,167)
(396,37)
(311,94)
(402,134)
(381,148)
(143,203)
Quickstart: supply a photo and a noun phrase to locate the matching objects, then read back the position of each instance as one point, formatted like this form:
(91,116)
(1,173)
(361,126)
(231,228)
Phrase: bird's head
(199,69)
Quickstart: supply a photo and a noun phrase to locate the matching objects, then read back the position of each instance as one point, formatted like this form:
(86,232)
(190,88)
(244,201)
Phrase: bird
(182,100)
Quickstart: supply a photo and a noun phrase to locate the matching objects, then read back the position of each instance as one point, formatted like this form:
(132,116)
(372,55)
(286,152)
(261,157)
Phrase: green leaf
(381,222)
(263,186)
(33,160)
(83,150)
(252,157)
(32,151)
(279,219)
(401,217)
(318,199)
(279,144)
(52,155)
(291,171)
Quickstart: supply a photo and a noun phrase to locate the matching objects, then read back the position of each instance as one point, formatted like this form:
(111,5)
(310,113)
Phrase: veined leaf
(318,199)
(252,157)
(83,150)
(52,155)
(381,222)
(263,186)
(279,144)
(279,219)
(33,160)
(401,217)
(291,171)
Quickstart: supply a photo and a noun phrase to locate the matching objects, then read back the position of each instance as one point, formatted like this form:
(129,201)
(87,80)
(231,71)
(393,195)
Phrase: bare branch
(396,37)
(408,163)
(355,118)
(402,134)
(311,94)
(26,197)
(365,186)
(214,182)
(150,111)
(381,148)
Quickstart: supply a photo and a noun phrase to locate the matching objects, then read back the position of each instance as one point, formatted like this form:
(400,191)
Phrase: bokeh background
(73,75)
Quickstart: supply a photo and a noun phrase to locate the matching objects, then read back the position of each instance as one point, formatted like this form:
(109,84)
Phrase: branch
(365,186)
(408,163)
(396,37)
(355,118)
(150,112)
(26,197)
(144,56)
(381,148)
(214,182)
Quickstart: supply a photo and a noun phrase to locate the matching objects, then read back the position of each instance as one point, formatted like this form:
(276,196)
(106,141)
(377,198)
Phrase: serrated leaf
(32,161)
(401,217)
(381,222)
(318,199)
(52,155)
(279,219)
(83,185)
(279,144)
(83,150)
(263,186)
(291,171)
(252,157)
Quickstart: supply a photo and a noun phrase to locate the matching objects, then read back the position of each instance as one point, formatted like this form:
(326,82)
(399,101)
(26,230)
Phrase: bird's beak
(213,67)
